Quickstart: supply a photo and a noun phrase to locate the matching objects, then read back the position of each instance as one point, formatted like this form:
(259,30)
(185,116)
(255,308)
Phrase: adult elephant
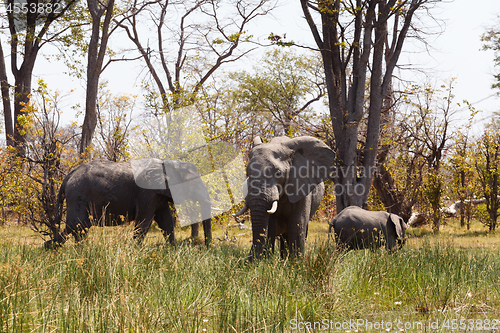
(109,193)
(284,189)
(357,228)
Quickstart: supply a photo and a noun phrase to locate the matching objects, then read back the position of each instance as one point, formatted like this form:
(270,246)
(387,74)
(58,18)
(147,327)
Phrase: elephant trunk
(260,226)
(332,225)
(262,203)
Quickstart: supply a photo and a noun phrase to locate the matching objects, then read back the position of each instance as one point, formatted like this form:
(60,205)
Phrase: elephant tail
(60,199)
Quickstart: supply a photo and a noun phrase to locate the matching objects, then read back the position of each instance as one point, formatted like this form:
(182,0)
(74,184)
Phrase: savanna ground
(437,283)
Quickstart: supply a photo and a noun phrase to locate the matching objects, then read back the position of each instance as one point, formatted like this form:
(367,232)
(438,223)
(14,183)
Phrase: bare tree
(399,191)
(193,40)
(358,50)
(114,123)
(45,143)
(29,30)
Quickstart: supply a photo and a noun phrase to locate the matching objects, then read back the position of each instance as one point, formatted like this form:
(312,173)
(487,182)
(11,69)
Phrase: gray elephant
(284,189)
(109,193)
(357,228)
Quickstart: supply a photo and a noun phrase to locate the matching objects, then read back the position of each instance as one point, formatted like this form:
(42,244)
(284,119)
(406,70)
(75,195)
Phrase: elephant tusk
(273,208)
(244,188)
(242,211)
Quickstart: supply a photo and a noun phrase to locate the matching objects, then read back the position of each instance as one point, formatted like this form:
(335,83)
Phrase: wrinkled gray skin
(357,228)
(273,175)
(103,192)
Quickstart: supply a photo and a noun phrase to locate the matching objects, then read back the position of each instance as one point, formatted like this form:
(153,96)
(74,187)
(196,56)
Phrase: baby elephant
(357,228)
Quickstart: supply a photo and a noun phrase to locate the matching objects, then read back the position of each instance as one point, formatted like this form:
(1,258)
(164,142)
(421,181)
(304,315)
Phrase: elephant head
(279,171)
(399,227)
(177,180)
(181,183)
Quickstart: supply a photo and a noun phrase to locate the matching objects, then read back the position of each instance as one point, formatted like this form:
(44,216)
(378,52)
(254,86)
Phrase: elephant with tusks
(283,190)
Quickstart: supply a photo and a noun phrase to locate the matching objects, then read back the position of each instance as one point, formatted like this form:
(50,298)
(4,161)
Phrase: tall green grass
(109,284)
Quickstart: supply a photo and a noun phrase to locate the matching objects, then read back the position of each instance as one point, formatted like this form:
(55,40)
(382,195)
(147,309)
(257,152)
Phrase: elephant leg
(166,222)
(207,229)
(297,233)
(283,246)
(390,237)
(271,234)
(195,230)
(142,226)
(77,223)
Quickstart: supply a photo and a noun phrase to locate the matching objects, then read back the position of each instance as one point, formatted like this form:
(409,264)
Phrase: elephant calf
(357,228)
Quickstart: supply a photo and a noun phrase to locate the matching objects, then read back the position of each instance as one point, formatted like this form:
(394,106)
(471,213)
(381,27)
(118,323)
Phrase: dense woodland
(343,91)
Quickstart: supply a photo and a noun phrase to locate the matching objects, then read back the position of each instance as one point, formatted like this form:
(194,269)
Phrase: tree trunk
(346,81)
(90,121)
(96,53)
(5,92)
(22,91)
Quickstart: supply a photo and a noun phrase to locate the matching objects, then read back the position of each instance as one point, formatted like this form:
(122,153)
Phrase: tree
(207,36)
(283,86)
(429,123)
(274,99)
(491,41)
(29,30)
(462,169)
(353,38)
(487,165)
(96,52)
(114,123)
(45,143)
(399,178)
(462,172)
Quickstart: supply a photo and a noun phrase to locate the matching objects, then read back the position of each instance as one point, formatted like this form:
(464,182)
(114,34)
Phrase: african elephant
(109,193)
(357,228)
(284,189)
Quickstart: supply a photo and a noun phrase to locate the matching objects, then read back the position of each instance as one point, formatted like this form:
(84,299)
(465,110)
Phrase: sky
(454,53)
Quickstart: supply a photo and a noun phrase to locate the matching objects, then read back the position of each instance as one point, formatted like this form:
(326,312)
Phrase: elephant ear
(149,174)
(256,141)
(311,163)
(182,181)
(399,225)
